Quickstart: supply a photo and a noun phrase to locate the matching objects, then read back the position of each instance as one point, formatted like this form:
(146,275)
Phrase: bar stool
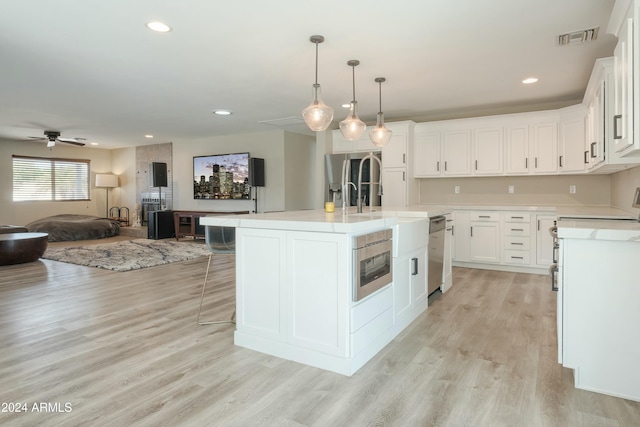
(219,240)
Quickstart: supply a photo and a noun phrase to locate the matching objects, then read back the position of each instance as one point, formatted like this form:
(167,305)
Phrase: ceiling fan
(53,136)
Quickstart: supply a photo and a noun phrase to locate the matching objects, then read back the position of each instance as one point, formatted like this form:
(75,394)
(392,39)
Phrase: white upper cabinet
(394,155)
(572,140)
(427,152)
(517,149)
(544,146)
(456,148)
(488,151)
(623,91)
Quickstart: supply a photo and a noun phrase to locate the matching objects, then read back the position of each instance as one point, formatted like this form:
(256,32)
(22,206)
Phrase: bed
(67,227)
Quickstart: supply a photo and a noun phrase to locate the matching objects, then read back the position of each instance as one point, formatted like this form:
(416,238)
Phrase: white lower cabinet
(484,237)
(409,287)
(503,240)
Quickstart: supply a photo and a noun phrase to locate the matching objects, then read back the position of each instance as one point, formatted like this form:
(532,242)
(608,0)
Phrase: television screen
(221,176)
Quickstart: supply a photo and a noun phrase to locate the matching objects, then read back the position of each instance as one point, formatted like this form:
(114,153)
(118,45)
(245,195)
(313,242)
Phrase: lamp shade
(106,180)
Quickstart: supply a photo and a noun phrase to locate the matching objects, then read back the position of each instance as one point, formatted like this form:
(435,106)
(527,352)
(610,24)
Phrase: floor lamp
(106,180)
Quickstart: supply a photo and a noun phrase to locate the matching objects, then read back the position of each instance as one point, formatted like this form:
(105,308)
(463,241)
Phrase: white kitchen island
(294,287)
(599,305)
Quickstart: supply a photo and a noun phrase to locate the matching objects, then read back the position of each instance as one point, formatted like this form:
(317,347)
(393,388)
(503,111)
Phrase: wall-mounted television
(221,177)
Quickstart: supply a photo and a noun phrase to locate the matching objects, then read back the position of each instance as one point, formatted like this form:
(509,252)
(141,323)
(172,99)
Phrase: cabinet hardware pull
(472,231)
(538,225)
(404,159)
(484,216)
(517,243)
(415,266)
(452,230)
(517,217)
(536,163)
(476,165)
(616,119)
(517,229)
(561,165)
(586,154)
(526,163)
(404,178)
(593,151)
(445,165)
(438,166)
(517,257)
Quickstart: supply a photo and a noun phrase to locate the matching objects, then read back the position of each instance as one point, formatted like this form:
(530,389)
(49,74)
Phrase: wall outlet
(572,189)
(456,189)
(511,189)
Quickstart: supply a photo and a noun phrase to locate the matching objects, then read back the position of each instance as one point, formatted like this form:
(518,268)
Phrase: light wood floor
(124,349)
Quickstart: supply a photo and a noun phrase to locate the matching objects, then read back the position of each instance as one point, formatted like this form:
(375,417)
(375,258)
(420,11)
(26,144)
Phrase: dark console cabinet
(160,225)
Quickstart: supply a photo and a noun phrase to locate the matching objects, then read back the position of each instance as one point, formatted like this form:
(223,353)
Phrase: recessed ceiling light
(222,112)
(530,80)
(148,136)
(93,143)
(158,26)
(348,105)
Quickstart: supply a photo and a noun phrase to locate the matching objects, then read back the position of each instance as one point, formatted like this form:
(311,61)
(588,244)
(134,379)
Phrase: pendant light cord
(380,95)
(316,62)
(353,68)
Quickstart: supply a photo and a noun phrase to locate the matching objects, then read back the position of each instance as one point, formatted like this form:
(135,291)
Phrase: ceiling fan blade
(71,141)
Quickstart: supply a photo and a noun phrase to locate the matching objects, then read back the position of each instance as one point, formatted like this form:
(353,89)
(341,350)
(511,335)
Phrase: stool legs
(204,287)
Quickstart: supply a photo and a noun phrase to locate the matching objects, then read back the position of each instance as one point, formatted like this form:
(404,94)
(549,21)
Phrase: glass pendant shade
(352,127)
(380,135)
(317,115)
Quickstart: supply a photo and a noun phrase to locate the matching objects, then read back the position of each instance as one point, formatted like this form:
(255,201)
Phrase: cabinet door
(394,155)
(401,285)
(544,240)
(517,149)
(487,150)
(545,147)
(461,236)
(596,127)
(426,159)
(318,290)
(623,95)
(457,152)
(484,243)
(572,141)
(394,187)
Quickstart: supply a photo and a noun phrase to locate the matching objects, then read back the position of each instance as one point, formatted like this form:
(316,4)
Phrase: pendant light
(317,115)
(352,127)
(380,135)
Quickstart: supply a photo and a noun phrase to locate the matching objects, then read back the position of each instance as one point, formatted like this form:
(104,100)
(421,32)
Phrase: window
(39,178)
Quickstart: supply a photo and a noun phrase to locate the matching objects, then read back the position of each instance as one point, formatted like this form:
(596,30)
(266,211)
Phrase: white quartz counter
(320,221)
(619,230)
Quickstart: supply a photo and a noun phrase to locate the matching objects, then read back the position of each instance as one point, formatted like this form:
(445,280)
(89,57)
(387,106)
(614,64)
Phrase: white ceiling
(91,69)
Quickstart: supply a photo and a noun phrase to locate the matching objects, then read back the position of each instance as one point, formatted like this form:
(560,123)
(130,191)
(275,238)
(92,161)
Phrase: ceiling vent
(578,37)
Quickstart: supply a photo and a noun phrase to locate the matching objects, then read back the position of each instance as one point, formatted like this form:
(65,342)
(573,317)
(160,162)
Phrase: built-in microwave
(372,263)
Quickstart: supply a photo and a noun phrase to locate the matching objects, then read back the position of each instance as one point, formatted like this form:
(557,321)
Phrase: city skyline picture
(221,176)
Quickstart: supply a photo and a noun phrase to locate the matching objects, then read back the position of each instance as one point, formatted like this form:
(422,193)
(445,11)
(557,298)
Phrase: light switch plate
(511,189)
(572,189)
(457,189)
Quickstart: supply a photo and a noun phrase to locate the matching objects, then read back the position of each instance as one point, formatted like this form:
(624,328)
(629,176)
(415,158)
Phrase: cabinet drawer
(370,308)
(517,217)
(485,216)
(514,229)
(517,243)
(517,257)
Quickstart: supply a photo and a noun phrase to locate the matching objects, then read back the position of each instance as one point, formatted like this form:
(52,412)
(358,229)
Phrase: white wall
(22,213)
(300,171)
(269,145)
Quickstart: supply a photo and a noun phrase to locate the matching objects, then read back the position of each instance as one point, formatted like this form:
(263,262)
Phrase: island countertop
(320,221)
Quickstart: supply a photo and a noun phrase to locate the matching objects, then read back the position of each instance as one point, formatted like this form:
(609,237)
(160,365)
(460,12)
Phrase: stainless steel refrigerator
(335,165)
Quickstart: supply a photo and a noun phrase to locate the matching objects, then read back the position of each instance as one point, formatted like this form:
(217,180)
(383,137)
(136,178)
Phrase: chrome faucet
(368,156)
(346,194)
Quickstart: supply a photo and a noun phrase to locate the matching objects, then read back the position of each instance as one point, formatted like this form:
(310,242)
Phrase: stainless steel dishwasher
(437,225)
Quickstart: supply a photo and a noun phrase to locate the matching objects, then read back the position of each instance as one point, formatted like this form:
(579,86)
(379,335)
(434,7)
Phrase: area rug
(128,254)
